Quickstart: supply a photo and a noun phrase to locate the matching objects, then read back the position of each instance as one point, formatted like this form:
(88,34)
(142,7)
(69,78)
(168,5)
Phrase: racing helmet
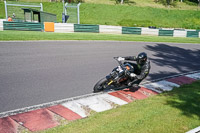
(142,58)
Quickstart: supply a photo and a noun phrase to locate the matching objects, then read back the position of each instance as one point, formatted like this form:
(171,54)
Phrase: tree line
(174,2)
(164,2)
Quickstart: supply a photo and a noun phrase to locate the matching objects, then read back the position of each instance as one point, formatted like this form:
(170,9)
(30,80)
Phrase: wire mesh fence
(72,10)
(14,9)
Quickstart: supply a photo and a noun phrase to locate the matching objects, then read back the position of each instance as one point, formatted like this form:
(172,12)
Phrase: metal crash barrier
(23,26)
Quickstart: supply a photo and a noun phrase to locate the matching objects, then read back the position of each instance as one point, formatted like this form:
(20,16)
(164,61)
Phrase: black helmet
(141,58)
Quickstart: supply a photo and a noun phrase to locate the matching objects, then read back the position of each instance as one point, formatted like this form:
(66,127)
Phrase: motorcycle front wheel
(100,85)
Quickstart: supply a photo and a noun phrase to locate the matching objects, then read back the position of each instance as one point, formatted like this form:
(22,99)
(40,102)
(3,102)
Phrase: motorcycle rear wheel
(100,85)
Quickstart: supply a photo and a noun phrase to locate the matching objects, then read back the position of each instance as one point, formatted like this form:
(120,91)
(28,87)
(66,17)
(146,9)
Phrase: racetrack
(37,72)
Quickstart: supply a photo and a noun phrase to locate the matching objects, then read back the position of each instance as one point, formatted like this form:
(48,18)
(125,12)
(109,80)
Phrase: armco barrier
(180,33)
(25,26)
(64,28)
(110,29)
(166,32)
(86,28)
(1,25)
(192,33)
(148,31)
(71,28)
(131,30)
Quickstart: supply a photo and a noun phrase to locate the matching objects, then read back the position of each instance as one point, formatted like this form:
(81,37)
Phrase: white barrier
(196,130)
(178,33)
(147,31)
(110,29)
(64,27)
(107,29)
(1,24)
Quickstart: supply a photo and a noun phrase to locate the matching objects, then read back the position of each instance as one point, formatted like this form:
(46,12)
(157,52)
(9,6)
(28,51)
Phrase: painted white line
(196,130)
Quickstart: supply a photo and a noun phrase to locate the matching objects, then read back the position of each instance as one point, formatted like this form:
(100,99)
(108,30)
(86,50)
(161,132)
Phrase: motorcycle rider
(141,68)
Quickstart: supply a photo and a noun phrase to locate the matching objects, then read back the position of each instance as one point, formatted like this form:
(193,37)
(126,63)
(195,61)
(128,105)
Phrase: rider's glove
(120,58)
(133,75)
(127,72)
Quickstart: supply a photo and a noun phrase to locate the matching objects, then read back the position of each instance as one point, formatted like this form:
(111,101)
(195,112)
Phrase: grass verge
(171,112)
(31,35)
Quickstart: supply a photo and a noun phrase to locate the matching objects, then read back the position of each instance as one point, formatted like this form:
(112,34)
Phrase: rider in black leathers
(141,69)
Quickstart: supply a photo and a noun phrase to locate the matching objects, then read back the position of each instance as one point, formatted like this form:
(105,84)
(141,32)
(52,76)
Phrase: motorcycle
(117,79)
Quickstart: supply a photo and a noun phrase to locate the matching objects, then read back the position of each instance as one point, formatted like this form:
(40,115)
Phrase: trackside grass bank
(133,16)
(31,35)
(171,112)
(142,13)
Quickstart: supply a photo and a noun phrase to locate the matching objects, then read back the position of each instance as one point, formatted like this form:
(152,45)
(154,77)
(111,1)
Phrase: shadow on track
(182,60)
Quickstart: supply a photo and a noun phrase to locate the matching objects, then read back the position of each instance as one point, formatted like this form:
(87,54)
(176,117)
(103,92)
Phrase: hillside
(138,13)
(144,3)
(134,16)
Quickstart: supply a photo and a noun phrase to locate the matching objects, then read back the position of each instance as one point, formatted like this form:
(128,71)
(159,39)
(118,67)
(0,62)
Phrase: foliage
(2,10)
(134,16)
(168,2)
(123,15)
(75,1)
(191,2)
(125,2)
(119,1)
(174,2)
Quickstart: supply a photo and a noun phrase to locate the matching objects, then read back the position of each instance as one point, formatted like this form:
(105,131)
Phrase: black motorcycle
(117,79)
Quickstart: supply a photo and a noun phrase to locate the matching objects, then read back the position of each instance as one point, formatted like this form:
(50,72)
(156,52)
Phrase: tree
(167,2)
(122,1)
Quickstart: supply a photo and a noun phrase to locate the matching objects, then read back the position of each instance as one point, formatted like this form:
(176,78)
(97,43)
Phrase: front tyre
(100,85)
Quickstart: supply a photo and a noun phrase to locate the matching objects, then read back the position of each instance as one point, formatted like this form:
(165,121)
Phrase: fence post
(78,12)
(41,8)
(6,10)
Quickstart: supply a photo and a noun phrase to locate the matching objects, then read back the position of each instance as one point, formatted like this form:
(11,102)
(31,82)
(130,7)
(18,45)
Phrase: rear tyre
(100,85)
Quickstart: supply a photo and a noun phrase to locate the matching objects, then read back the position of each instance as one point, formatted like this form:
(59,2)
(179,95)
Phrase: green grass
(145,3)
(2,10)
(143,13)
(172,112)
(134,16)
(55,8)
(31,35)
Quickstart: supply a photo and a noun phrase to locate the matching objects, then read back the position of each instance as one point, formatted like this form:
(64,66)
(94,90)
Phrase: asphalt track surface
(36,72)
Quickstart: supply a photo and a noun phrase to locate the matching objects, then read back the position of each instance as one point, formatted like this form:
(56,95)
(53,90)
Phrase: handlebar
(120,63)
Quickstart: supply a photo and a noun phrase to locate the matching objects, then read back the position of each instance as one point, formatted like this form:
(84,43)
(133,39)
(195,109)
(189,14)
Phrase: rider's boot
(132,84)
